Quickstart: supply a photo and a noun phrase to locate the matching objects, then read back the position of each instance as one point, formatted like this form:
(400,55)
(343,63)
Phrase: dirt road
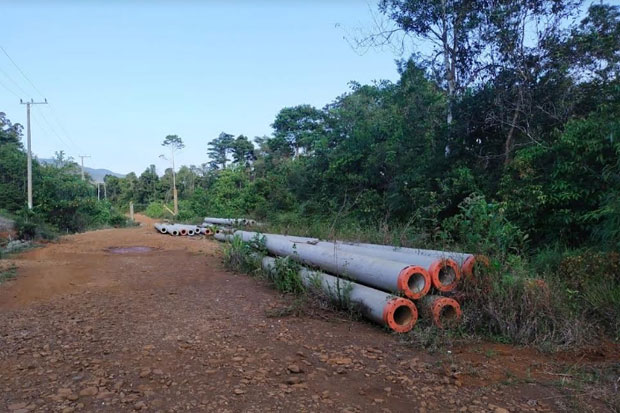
(85,327)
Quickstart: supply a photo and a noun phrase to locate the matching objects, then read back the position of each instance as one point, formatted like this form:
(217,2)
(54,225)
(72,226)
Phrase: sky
(120,76)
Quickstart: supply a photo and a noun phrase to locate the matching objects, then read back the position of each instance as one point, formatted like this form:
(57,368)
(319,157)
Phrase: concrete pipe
(386,275)
(466,262)
(443,270)
(207,231)
(224,221)
(444,312)
(161,228)
(399,314)
(220,236)
(173,230)
(185,229)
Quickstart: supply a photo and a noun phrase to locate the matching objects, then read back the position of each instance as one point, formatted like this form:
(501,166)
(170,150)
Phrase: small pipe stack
(182,230)
(378,271)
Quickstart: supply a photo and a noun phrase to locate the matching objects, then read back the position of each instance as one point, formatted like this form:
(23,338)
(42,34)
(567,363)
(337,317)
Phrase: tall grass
(551,297)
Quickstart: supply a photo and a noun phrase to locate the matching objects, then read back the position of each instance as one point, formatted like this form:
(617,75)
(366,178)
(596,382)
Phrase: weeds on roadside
(241,256)
(7,274)
(286,277)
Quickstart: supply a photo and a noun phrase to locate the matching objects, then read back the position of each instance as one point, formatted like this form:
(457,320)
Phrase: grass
(8,273)
(553,298)
(285,276)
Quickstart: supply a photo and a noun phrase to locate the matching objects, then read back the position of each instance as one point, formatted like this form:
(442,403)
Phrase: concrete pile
(183,230)
(390,285)
(230,222)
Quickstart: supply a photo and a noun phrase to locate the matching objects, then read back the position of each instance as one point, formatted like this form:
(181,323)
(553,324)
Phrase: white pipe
(225,221)
(173,230)
(397,313)
(445,274)
(411,280)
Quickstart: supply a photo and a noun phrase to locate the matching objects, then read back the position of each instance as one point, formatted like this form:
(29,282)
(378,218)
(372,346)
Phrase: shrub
(30,225)
(155,210)
(592,281)
(26,226)
(243,257)
(509,300)
(285,276)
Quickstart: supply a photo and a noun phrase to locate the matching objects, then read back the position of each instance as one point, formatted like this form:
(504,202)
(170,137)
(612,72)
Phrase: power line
(26,94)
(53,111)
(62,128)
(52,128)
(9,89)
(49,129)
(21,71)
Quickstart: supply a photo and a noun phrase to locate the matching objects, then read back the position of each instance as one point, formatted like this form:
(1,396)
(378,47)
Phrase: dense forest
(524,131)
(503,140)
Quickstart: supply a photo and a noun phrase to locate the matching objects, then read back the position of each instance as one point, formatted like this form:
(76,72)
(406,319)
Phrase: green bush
(155,210)
(26,227)
(592,283)
(243,256)
(510,300)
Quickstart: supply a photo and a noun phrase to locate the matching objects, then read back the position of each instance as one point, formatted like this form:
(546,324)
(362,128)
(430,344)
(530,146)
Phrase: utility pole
(82,157)
(29,164)
(174,186)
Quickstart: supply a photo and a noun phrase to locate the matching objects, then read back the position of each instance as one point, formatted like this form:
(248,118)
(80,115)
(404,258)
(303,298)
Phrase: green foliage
(285,276)
(592,281)
(155,210)
(7,274)
(483,227)
(63,202)
(243,256)
(26,224)
(518,160)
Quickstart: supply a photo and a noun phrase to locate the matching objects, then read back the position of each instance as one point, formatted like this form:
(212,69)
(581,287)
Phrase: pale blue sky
(122,75)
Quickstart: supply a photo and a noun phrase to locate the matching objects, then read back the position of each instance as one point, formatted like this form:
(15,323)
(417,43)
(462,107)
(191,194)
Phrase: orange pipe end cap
(400,314)
(437,267)
(410,282)
(438,307)
(467,269)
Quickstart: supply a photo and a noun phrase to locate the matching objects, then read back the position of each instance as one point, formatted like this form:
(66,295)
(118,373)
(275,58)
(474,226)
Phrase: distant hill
(96,174)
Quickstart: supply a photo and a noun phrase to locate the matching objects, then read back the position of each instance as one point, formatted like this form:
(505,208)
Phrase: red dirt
(86,329)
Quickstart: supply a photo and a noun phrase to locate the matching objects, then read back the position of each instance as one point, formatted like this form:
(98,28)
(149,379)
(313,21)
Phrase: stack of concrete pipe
(383,272)
(230,222)
(183,230)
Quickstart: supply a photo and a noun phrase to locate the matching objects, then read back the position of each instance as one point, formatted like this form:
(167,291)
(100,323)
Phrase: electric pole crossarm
(82,158)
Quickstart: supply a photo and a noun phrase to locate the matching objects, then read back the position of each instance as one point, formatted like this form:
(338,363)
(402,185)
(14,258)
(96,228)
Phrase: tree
(174,143)
(147,187)
(449,26)
(10,133)
(299,126)
(219,149)
(515,33)
(60,159)
(243,151)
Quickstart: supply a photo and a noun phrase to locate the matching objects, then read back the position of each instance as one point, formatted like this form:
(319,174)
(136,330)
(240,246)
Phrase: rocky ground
(85,327)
